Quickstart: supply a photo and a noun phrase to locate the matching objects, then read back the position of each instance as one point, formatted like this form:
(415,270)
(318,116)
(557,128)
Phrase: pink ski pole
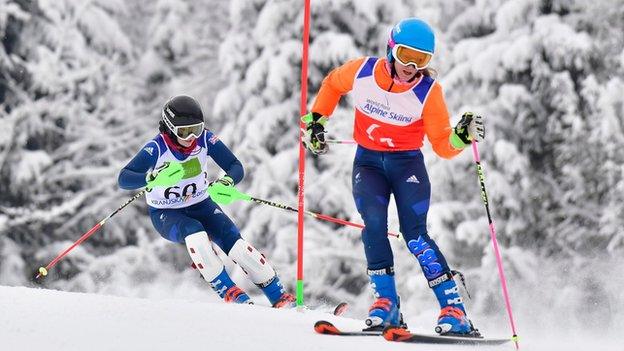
(499,260)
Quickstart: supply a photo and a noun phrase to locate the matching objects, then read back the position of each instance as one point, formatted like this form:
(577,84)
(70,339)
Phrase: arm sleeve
(222,155)
(132,176)
(437,125)
(337,83)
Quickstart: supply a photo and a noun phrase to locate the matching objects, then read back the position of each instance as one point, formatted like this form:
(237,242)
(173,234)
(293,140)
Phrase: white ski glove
(470,127)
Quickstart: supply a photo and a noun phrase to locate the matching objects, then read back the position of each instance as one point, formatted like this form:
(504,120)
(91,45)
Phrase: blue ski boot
(385,310)
(452,320)
(227,290)
(277,295)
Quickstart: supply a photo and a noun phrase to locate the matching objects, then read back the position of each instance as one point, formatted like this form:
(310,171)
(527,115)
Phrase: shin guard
(252,262)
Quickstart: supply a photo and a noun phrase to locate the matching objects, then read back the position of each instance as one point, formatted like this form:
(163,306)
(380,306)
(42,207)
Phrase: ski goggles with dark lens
(409,56)
(185,132)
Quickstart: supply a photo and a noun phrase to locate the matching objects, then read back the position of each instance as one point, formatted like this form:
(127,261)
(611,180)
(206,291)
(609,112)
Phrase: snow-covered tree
(84,90)
(82,84)
(535,70)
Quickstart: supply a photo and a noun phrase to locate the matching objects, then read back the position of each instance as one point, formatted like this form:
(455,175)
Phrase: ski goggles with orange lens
(185,132)
(410,56)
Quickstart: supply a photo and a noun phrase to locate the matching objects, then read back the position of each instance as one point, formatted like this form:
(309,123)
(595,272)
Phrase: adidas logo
(412,179)
(149,150)
(217,211)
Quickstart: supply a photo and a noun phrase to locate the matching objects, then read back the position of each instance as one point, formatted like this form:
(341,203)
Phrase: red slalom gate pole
(43,271)
(302,111)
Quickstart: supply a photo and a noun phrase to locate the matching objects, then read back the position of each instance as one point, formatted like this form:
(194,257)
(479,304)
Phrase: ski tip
(325,327)
(392,333)
(341,309)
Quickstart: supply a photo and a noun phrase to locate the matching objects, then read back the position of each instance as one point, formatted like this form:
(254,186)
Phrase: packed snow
(81,88)
(41,319)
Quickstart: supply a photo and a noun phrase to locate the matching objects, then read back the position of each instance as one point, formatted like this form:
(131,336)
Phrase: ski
(340,309)
(404,335)
(327,328)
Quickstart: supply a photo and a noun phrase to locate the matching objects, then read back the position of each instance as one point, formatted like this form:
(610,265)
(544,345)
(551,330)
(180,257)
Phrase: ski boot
(236,295)
(227,290)
(452,320)
(286,301)
(277,295)
(385,310)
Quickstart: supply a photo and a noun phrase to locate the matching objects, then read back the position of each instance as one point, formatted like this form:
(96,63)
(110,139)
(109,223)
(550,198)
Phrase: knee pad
(203,255)
(252,262)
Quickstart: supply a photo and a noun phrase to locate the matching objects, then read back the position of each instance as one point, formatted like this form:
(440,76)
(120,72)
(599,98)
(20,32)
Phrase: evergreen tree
(82,84)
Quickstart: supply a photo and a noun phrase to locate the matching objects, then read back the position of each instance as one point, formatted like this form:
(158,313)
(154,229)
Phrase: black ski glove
(315,133)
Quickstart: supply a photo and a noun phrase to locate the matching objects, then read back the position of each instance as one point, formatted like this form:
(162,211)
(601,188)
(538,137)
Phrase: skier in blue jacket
(174,169)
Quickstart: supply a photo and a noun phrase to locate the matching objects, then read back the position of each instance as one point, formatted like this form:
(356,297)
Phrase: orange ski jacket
(388,117)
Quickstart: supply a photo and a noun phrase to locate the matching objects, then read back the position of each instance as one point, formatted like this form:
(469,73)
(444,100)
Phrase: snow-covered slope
(38,319)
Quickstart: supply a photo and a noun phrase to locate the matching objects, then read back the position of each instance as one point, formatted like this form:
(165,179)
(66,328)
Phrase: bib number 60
(189,189)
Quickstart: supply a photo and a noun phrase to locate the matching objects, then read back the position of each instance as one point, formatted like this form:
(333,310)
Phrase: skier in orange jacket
(397,103)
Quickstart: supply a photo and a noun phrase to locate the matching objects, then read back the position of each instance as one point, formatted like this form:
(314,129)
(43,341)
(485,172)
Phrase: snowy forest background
(82,84)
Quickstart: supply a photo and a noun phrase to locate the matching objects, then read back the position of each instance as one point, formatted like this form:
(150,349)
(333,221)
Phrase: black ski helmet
(181,111)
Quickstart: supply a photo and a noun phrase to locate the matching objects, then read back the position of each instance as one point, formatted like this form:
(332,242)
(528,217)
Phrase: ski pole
(315,215)
(336,141)
(222,194)
(332,141)
(499,260)
(43,271)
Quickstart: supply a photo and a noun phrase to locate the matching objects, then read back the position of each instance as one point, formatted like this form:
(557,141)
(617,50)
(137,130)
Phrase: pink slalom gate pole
(499,260)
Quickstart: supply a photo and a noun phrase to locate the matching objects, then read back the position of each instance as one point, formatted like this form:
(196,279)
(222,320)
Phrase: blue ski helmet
(411,32)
